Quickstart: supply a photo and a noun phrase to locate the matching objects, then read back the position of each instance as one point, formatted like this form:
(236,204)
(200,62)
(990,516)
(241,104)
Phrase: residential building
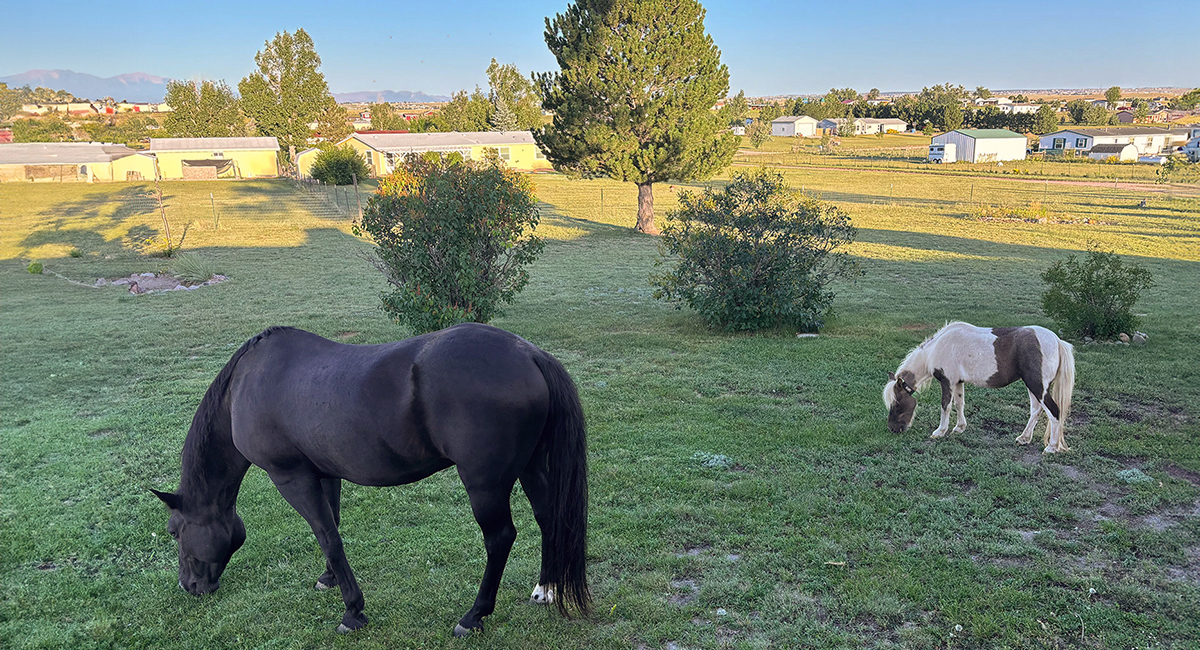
(1148,140)
(984,145)
(383,151)
(212,158)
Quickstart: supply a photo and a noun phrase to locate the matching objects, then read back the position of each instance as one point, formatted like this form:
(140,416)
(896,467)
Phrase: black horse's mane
(213,411)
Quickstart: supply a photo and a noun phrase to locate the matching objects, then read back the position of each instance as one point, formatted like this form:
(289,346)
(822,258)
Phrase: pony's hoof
(460,631)
(1024,440)
(960,429)
(342,629)
(938,434)
(321,586)
(542,595)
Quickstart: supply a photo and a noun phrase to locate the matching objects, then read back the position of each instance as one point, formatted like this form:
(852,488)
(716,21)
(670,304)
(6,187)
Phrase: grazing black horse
(312,412)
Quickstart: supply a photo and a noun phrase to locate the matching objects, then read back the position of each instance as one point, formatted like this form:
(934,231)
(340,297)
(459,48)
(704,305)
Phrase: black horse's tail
(565,440)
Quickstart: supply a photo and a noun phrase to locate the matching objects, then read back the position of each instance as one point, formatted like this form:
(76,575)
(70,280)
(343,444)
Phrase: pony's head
(898,397)
(206,542)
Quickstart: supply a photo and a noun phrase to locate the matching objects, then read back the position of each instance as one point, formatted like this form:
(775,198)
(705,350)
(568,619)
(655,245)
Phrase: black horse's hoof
(460,631)
(321,586)
(351,624)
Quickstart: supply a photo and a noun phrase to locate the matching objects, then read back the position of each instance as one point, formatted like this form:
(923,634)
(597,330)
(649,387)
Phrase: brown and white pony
(961,353)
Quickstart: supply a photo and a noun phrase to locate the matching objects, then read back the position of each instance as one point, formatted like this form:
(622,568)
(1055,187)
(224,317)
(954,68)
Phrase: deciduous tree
(467,112)
(203,109)
(515,104)
(1112,96)
(1045,120)
(287,92)
(633,96)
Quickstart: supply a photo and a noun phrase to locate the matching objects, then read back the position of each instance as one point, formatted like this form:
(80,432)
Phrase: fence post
(216,219)
(357,198)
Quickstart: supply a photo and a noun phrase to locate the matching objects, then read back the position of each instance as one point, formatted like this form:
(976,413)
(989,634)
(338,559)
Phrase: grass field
(745,491)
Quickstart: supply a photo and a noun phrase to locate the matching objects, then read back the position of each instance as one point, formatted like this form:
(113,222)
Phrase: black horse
(312,412)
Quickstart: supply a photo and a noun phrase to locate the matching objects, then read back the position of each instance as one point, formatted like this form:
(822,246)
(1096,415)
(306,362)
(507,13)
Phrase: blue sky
(770,47)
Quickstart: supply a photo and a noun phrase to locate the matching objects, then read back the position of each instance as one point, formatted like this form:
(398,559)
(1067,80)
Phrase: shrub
(754,255)
(1094,297)
(339,165)
(193,268)
(34,268)
(453,238)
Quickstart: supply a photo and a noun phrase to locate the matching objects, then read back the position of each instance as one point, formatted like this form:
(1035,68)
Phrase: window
(504,153)
(1059,143)
(1081,143)
(539,154)
(218,154)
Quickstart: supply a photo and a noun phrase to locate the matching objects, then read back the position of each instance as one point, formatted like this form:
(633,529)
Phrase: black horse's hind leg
(535,484)
(494,515)
(306,494)
(332,487)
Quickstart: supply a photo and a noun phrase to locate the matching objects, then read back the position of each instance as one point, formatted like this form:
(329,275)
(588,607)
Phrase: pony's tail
(565,440)
(1064,381)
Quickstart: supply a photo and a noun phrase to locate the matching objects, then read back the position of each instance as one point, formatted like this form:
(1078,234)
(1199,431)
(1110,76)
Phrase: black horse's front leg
(305,493)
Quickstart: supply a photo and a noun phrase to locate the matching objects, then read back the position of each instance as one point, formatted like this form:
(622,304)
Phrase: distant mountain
(134,87)
(366,96)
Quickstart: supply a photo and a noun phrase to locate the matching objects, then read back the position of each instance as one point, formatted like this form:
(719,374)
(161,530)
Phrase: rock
(1140,338)
(145,275)
(100,282)
(802,335)
(1123,337)
(1088,339)
(135,289)
(122,282)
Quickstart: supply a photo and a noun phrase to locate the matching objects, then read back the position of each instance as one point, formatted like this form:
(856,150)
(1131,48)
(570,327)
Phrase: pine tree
(634,94)
(288,91)
(1045,120)
(515,105)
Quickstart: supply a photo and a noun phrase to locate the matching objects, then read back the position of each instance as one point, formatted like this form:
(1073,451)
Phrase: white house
(1017,109)
(984,145)
(1121,152)
(802,125)
(1148,141)
(870,125)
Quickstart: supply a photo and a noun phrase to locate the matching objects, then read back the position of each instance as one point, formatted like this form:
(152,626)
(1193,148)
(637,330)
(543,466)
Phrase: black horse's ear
(172,500)
(891,376)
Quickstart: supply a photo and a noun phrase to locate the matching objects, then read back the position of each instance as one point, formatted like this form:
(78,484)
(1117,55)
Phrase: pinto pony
(312,412)
(961,353)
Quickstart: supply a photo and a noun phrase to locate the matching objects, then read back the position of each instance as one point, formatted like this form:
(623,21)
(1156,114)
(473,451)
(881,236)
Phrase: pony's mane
(209,413)
(913,362)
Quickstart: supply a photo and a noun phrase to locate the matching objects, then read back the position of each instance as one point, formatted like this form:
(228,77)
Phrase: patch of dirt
(687,592)
(144,283)
(1181,473)
(693,551)
(1190,572)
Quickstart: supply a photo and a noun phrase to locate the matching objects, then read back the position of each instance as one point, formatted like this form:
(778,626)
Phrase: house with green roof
(984,145)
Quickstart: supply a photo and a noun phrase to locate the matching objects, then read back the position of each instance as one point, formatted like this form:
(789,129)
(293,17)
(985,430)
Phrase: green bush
(34,268)
(339,165)
(193,268)
(1094,297)
(754,255)
(453,237)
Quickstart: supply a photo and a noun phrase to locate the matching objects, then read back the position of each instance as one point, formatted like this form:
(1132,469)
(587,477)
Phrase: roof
(1112,132)
(399,142)
(62,153)
(1110,148)
(793,118)
(988,134)
(211,144)
(882,120)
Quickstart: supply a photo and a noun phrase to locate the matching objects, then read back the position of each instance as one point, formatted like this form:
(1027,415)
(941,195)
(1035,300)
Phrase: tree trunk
(645,216)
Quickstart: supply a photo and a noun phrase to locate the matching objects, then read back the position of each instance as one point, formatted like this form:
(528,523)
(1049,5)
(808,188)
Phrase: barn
(1118,151)
(211,158)
(802,125)
(984,145)
(73,162)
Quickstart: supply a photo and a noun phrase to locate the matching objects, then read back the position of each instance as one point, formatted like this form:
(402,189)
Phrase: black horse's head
(898,396)
(206,542)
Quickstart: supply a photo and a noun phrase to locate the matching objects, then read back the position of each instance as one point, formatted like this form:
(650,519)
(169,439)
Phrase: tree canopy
(203,109)
(515,104)
(633,96)
(288,91)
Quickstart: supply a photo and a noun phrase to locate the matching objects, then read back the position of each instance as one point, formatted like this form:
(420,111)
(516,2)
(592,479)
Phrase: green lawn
(745,490)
